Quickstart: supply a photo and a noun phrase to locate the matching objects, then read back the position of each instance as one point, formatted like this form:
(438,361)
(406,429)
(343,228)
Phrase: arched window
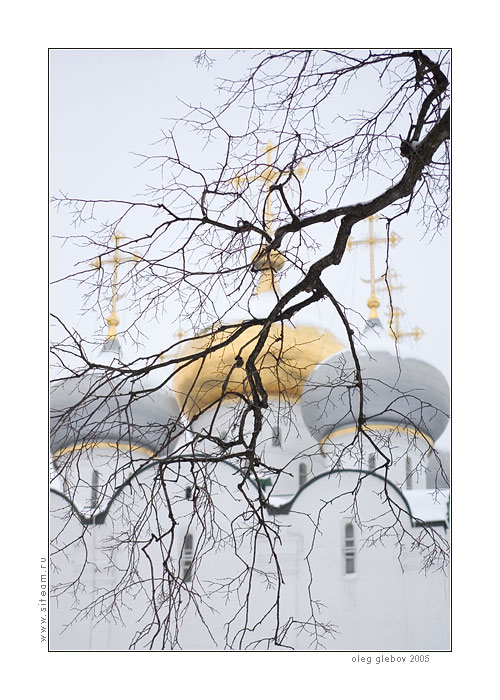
(349,549)
(187,558)
(303,473)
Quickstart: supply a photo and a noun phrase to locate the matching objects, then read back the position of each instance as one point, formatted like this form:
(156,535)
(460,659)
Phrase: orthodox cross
(116,260)
(268,265)
(395,312)
(373,302)
(269,175)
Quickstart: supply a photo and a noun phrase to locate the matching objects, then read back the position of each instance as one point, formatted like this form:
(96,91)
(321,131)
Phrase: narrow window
(408,472)
(187,558)
(94,495)
(276,440)
(371,461)
(188,493)
(349,549)
(303,473)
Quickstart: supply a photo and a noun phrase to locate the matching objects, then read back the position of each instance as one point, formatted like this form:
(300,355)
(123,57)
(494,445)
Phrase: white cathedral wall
(86,564)
(378,607)
(82,573)
(88,567)
(87,572)
(387,603)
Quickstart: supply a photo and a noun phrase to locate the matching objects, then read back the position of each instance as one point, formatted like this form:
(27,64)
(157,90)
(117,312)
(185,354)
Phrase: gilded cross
(270,264)
(373,302)
(116,260)
(394,312)
(269,175)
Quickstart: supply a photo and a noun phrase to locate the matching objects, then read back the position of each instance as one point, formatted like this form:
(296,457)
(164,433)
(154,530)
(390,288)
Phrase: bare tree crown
(280,165)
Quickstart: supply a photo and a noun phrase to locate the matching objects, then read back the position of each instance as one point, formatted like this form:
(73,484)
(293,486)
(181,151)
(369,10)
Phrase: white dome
(96,407)
(401,391)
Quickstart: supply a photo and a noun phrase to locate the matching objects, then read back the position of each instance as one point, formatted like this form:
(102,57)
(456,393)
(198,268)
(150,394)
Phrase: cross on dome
(116,260)
(395,312)
(373,302)
(268,264)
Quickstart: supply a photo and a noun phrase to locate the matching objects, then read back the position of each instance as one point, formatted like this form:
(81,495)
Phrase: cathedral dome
(288,357)
(397,390)
(97,409)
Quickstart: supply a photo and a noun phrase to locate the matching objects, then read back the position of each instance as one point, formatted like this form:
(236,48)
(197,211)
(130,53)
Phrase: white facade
(348,552)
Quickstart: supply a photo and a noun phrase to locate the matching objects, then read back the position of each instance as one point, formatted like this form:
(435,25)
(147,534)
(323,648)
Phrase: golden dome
(288,357)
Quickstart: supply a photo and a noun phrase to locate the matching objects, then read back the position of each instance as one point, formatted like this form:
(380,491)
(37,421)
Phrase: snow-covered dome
(98,407)
(397,390)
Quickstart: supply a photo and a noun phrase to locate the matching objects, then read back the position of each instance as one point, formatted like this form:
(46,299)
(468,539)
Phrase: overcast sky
(107,104)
